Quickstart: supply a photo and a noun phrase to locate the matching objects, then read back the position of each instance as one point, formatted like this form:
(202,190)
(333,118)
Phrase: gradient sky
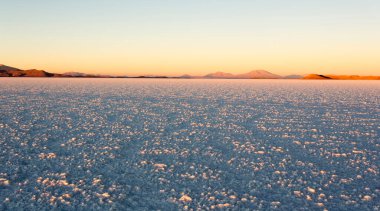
(175,37)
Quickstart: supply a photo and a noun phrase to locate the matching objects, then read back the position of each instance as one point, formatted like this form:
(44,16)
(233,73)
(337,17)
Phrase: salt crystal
(185,198)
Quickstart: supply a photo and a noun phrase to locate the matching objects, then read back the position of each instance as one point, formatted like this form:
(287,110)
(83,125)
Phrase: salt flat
(148,144)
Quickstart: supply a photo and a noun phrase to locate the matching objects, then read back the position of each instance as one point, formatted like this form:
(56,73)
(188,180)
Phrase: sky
(176,37)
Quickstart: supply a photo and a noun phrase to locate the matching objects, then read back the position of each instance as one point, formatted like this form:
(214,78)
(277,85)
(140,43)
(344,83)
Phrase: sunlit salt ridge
(189,144)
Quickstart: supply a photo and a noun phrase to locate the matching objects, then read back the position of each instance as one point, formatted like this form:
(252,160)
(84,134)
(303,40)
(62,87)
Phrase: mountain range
(7,71)
(256,74)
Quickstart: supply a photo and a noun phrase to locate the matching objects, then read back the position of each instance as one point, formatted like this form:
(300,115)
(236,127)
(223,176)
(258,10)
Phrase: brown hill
(8,68)
(7,71)
(340,77)
(37,73)
(353,77)
(316,77)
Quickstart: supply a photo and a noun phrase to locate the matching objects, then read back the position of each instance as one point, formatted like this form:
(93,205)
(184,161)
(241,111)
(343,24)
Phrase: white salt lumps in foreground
(297,193)
(160,166)
(4,182)
(47,155)
(311,190)
(221,206)
(367,198)
(185,198)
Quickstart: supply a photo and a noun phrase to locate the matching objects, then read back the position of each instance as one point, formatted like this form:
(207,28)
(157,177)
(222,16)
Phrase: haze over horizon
(198,37)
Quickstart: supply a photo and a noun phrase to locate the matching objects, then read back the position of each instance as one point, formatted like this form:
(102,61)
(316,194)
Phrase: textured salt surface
(177,144)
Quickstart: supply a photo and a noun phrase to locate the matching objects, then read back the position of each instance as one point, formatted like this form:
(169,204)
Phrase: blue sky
(178,37)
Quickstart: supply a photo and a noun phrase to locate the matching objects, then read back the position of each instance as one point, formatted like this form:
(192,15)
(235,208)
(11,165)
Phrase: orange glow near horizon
(197,66)
(279,55)
(196,37)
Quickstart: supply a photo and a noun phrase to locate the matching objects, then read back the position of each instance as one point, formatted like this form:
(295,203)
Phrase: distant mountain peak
(8,68)
(258,74)
(254,74)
